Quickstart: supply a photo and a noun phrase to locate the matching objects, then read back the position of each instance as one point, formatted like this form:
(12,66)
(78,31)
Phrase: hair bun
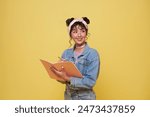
(69,20)
(86,20)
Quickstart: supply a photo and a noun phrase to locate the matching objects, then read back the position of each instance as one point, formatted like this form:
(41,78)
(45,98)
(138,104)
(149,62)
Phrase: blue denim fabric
(89,65)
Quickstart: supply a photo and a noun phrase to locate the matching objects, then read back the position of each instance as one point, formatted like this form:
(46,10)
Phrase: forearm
(89,79)
(82,83)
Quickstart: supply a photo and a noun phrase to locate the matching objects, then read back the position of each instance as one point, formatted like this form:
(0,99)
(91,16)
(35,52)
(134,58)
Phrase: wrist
(68,82)
(67,79)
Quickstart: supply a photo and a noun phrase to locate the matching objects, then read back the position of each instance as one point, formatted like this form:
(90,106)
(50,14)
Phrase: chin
(80,43)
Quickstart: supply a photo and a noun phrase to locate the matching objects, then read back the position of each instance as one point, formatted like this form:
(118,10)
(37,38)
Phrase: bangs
(78,24)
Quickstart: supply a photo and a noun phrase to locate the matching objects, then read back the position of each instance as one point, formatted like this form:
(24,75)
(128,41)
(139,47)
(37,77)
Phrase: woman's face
(78,34)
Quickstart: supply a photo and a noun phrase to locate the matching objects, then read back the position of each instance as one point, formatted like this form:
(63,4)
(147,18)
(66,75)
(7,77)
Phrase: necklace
(80,47)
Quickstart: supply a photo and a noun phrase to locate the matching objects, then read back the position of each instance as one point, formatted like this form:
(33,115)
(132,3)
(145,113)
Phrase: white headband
(77,20)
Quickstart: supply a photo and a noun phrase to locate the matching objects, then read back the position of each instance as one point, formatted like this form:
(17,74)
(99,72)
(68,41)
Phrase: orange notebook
(69,68)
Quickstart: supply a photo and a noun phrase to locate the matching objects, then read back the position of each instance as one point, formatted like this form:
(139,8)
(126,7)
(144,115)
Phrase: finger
(63,60)
(58,73)
(53,67)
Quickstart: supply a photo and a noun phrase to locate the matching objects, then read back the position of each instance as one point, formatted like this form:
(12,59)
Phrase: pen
(61,58)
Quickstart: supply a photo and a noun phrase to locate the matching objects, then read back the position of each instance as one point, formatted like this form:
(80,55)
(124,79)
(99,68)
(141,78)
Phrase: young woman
(86,60)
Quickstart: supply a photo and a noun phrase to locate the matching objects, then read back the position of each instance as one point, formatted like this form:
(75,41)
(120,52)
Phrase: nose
(79,34)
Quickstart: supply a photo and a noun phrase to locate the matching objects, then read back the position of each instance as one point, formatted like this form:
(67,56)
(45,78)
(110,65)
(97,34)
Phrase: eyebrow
(82,28)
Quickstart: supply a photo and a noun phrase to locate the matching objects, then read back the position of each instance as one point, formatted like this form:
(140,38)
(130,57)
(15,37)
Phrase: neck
(80,46)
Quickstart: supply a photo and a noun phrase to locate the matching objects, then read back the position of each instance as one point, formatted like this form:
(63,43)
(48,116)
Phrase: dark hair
(69,20)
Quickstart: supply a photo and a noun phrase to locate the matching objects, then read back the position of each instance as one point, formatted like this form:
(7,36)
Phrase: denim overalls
(88,64)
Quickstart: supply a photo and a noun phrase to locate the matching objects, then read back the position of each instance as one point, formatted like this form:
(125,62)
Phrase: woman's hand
(61,59)
(61,73)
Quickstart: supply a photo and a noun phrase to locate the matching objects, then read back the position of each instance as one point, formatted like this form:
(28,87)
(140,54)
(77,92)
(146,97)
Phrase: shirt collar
(86,49)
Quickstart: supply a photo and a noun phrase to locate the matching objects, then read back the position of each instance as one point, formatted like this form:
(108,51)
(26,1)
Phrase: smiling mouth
(79,39)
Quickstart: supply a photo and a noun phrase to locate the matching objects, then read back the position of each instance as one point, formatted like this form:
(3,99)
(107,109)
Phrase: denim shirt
(88,64)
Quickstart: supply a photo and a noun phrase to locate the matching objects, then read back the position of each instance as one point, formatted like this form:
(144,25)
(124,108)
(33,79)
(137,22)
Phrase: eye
(83,30)
(74,31)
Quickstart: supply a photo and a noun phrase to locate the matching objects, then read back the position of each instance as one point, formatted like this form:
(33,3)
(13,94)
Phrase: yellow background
(35,29)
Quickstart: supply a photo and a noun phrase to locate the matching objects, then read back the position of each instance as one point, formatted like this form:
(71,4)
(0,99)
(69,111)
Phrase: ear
(86,20)
(69,20)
